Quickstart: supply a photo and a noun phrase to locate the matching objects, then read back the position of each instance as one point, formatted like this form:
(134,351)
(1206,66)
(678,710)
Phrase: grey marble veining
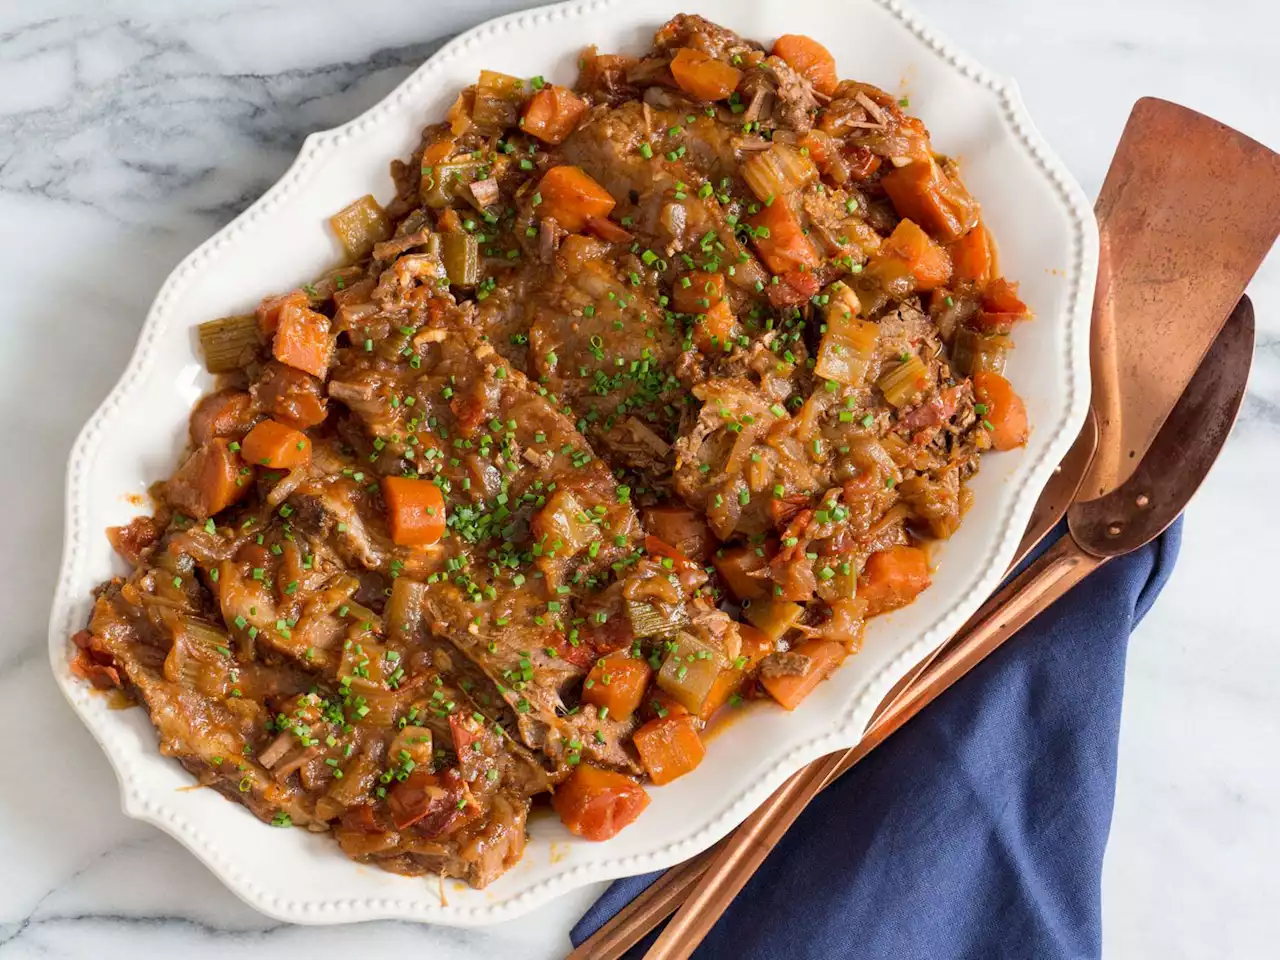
(130,130)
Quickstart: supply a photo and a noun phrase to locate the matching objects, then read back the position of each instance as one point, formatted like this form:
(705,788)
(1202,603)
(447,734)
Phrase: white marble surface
(130,130)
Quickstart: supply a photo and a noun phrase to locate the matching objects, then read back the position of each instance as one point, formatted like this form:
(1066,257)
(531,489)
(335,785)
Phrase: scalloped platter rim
(1049,242)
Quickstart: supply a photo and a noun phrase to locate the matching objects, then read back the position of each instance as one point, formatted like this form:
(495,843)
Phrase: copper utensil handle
(1062,567)
(629,925)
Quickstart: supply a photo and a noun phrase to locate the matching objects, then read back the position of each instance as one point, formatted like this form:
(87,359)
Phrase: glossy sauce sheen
(637,401)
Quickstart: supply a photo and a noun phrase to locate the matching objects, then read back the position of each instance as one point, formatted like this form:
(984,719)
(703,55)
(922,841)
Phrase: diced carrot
(596,803)
(1006,414)
(272,444)
(704,291)
(571,197)
(810,59)
(893,578)
(794,288)
(552,114)
(617,682)
(715,329)
(415,511)
(438,152)
(726,683)
(780,239)
(755,647)
(209,481)
(972,256)
(658,704)
(226,413)
(703,76)
(303,340)
(740,568)
(607,230)
(669,748)
(790,688)
(925,260)
(268,311)
(922,192)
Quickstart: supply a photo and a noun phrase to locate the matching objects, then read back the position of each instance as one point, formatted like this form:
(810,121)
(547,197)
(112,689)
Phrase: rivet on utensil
(1142,500)
(1115,529)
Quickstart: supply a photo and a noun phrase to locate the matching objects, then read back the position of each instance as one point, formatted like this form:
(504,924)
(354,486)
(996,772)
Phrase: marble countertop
(130,130)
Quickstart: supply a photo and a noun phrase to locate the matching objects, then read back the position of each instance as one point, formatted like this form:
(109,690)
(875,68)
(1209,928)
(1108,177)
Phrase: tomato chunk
(552,114)
(596,804)
(780,239)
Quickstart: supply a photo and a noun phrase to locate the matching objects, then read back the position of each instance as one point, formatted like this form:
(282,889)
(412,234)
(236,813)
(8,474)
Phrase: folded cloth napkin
(975,831)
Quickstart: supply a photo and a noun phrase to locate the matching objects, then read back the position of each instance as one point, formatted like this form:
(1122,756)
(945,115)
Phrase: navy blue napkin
(977,830)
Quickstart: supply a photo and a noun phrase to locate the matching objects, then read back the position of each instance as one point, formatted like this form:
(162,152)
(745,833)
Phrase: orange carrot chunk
(269,309)
(415,511)
(810,59)
(596,803)
(755,647)
(972,256)
(669,748)
(780,239)
(702,292)
(910,247)
(742,568)
(790,688)
(571,198)
(893,578)
(209,481)
(617,683)
(703,76)
(552,114)
(922,192)
(715,329)
(1005,415)
(272,444)
(303,340)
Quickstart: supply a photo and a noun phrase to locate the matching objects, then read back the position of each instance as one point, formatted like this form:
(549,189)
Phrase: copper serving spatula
(1181,231)
(1188,211)
(1100,529)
